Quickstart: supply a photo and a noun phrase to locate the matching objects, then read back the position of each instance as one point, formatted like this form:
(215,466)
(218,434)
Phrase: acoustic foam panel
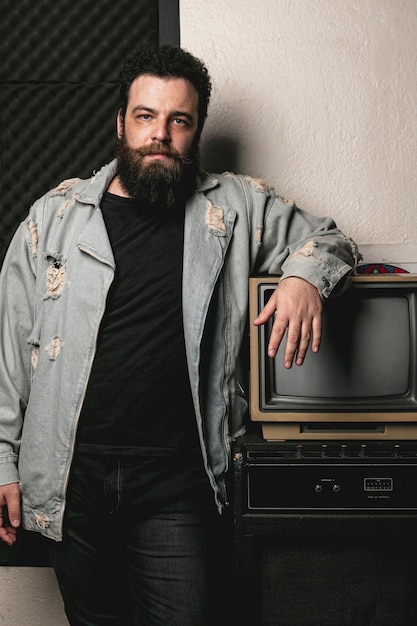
(59,68)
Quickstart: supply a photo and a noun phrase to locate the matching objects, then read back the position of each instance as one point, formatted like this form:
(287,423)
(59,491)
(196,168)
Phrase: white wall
(29,596)
(320,98)
(317,96)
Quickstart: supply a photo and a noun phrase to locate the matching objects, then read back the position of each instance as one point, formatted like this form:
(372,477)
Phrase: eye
(178,121)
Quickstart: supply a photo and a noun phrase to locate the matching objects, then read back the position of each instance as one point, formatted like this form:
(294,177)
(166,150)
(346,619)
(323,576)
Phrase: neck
(116,188)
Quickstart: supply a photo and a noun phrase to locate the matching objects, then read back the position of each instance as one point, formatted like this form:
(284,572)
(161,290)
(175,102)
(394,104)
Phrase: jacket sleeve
(292,242)
(17,287)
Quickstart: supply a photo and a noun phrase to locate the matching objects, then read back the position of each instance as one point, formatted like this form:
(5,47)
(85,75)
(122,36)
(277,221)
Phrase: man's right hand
(9,512)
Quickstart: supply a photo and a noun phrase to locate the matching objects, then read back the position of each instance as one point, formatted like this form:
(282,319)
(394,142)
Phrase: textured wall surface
(30,597)
(320,98)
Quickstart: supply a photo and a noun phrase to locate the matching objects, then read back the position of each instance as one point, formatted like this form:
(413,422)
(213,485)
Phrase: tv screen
(362,382)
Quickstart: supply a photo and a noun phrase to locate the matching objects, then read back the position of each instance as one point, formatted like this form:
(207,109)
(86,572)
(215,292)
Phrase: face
(157,149)
(160,112)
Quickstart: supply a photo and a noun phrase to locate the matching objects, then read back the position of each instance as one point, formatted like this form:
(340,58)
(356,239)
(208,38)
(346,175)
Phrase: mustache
(166,151)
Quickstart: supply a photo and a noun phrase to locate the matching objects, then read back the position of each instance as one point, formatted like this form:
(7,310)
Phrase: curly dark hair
(166,61)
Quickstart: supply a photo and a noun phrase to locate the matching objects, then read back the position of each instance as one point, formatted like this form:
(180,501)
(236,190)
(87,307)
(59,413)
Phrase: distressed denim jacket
(53,288)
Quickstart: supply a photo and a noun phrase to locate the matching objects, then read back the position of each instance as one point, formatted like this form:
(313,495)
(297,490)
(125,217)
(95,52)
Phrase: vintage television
(362,384)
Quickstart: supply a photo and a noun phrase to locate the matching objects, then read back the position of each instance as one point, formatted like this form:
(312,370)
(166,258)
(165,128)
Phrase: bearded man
(123,303)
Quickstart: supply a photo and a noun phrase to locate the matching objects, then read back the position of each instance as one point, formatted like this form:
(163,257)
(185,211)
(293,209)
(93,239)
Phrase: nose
(161,131)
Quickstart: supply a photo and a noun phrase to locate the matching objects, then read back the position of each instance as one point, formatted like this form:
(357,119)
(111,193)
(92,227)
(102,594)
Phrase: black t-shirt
(138,399)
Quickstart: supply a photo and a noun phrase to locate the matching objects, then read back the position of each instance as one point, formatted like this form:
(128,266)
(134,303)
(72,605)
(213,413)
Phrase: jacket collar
(94,187)
(206,181)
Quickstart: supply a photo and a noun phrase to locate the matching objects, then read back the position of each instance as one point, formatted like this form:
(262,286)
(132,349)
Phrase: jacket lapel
(207,233)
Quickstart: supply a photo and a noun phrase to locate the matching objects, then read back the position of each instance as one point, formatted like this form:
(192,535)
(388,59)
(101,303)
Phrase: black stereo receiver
(358,477)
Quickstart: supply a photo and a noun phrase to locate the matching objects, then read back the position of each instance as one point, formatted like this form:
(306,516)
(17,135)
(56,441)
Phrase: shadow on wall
(220,154)
(28,551)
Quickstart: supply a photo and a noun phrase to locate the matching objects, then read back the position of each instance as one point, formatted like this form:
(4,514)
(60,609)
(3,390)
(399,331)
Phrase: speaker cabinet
(327,580)
(319,567)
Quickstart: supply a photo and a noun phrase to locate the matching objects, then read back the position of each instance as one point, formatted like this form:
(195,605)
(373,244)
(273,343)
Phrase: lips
(159,155)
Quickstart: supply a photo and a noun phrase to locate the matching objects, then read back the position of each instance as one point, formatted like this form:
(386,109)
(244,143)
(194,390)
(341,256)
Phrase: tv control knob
(336,488)
(318,488)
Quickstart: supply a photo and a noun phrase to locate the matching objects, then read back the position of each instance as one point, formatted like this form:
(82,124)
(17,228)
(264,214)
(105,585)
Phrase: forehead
(163,93)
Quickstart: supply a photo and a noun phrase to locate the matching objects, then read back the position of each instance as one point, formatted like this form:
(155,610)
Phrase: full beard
(158,185)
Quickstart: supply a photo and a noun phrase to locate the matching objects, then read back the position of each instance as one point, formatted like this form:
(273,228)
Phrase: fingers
(296,347)
(297,307)
(299,339)
(267,312)
(296,344)
(277,334)
(8,535)
(316,337)
(9,512)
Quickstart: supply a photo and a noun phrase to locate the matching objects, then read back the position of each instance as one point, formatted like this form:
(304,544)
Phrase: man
(123,302)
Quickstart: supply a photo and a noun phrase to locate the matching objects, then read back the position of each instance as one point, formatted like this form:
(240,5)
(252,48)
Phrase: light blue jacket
(53,288)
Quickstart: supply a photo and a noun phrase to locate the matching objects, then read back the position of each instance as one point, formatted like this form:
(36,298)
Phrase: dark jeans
(122,564)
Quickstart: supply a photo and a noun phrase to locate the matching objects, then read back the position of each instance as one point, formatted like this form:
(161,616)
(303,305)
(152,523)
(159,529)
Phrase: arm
(315,261)
(17,285)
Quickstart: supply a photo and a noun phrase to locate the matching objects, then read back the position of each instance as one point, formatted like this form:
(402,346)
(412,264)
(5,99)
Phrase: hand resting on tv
(298,308)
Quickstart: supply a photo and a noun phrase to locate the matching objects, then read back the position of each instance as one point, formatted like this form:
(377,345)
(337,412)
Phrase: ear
(120,124)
